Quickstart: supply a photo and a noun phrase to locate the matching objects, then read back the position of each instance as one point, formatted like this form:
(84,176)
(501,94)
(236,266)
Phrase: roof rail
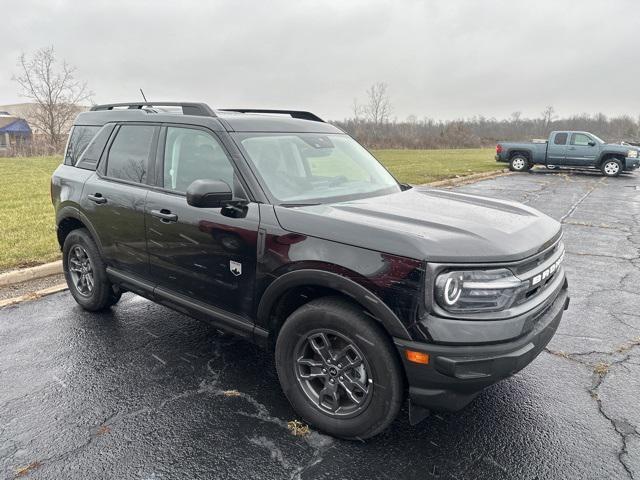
(294,113)
(188,108)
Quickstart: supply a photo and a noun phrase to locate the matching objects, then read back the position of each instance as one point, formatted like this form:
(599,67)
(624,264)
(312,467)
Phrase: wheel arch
(519,151)
(608,155)
(294,289)
(70,218)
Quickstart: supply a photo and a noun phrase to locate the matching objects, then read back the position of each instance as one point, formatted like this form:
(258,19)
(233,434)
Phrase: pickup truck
(571,149)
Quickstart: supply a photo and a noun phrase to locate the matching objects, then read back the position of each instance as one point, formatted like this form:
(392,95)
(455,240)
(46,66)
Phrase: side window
(129,153)
(561,138)
(79,139)
(192,154)
(580,139)
(89,159)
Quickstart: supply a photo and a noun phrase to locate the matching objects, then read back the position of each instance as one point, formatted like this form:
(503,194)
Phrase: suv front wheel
(338,369)
(85,272)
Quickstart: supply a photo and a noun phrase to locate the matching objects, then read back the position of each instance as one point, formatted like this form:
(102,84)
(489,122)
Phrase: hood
(429,224)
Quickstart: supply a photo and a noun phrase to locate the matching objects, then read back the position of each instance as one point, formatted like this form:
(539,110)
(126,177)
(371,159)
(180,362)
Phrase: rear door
(114,197)
(206,255)
(557,148)
(582,150)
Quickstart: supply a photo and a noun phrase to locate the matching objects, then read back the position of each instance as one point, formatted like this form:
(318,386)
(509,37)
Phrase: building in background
(15,133)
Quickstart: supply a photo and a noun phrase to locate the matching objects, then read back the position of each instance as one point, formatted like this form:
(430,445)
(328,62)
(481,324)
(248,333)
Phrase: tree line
(372,125)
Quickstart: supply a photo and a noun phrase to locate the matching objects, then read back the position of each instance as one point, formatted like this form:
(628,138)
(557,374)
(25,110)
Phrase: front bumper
(631,163)
(456,374)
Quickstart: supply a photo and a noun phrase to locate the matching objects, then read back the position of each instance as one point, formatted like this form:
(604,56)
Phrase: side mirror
(592,143)
(209,194)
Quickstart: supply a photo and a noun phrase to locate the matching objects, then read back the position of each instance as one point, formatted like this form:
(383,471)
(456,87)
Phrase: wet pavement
(144,392)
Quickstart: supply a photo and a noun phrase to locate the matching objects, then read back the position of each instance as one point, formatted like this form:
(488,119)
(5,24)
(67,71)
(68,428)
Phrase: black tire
(102,294)
(380,371)
(611,167)
(519,163)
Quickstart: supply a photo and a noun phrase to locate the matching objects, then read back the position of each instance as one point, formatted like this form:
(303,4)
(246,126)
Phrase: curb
(19,276)
(33,295)
(450,182)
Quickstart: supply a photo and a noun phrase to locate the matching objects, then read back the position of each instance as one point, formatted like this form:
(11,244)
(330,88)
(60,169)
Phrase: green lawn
(423,166)
(27,233)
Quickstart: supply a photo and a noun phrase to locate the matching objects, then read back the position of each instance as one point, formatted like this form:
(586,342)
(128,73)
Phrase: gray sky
(443,59)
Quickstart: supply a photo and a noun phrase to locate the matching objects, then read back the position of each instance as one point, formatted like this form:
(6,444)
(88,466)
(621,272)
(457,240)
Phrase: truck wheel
(519,163)
(338,369)
(85,272)
(611,167)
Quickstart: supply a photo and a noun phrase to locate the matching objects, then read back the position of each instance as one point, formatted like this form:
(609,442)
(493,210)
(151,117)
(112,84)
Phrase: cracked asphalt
(144,392)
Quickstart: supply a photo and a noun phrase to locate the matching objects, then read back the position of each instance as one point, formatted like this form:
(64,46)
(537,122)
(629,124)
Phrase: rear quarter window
(561,139)
(79,139)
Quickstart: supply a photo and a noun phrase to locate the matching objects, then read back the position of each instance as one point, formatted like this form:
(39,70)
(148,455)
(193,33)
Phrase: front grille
(539,272)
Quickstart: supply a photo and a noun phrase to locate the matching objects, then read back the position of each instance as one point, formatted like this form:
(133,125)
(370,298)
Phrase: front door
(203,254)
(114,198)
(582,150)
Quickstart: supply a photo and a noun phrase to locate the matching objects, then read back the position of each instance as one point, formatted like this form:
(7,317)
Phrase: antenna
(145,98)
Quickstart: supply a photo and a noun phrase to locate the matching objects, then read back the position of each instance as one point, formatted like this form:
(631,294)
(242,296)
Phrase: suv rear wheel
(519,163)
(338,369)
(611,167)
(85,272)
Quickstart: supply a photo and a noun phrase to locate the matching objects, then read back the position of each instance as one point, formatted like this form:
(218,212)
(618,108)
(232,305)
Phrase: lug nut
(341,377)
(324,370)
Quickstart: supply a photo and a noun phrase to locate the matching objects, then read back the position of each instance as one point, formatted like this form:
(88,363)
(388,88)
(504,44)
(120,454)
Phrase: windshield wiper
(299,204)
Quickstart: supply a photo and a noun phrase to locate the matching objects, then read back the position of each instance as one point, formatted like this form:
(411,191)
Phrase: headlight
(478,290)
(632,154)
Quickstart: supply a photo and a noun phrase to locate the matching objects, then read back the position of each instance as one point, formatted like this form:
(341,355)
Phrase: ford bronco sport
(279,227)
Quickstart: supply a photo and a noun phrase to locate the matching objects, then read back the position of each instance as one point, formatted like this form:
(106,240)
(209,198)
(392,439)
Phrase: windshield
(301,168)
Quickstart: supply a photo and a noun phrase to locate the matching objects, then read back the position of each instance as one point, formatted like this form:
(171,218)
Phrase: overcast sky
(442,59)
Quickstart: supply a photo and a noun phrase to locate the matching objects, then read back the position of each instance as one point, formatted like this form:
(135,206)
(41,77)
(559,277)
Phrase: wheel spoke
(309,362)
(330,392)
(348,361)
(356,391)
(322,346)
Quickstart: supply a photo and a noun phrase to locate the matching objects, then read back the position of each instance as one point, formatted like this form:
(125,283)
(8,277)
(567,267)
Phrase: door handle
(165,215)
(97,198)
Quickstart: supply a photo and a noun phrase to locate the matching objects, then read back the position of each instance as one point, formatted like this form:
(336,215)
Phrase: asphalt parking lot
(143,392)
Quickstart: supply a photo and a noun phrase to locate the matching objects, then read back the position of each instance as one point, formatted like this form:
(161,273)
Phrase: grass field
(27,233)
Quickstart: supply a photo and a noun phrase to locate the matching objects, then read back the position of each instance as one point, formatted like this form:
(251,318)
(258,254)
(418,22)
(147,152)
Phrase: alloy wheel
(333,373)
(81,270)
(611,168)
(518,163)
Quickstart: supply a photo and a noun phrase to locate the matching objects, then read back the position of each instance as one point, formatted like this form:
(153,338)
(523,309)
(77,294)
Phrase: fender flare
(526,150)
(609,153)
(320,278)
(71,211)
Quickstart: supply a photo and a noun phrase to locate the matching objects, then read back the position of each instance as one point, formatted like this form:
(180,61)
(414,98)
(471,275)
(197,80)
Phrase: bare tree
(378,106)
(55,92)
(548,116)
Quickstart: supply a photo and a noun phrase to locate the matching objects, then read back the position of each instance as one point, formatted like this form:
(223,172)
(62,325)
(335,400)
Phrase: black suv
(279,227)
